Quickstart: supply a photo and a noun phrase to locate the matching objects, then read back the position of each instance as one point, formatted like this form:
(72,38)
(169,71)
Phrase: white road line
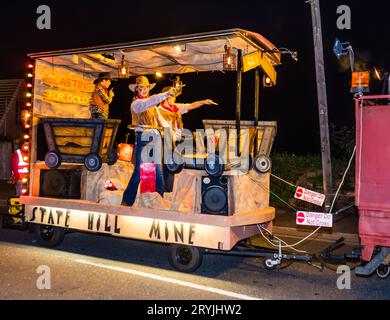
(170,280)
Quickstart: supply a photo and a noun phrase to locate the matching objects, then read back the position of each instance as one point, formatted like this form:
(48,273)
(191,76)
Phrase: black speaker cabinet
(215,195)
(64,184)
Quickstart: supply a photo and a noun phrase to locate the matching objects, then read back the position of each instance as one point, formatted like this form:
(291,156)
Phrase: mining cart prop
(372,185)
(88,141)
(223,205)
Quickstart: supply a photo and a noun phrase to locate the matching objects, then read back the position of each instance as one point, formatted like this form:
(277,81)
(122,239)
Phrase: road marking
(170,280)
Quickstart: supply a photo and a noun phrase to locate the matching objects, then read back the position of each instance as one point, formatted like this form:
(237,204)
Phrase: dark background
(292,103)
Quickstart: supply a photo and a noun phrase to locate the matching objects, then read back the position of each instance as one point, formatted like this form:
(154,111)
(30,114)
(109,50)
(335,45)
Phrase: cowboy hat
(102,76)
(166,89)
(141,81)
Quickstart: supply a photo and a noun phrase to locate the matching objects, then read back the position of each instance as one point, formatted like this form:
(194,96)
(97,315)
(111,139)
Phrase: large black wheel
(214,165)
(112,157)
(48,236)
(185,258)
(93,162)
(262,163)
(52,159)
(383,271)
(176,164)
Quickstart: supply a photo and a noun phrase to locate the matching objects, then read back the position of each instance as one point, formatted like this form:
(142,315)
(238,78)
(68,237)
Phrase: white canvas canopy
(178,54)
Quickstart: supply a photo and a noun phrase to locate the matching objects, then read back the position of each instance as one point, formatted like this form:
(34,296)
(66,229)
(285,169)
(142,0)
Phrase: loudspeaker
(64,184)
(215,195)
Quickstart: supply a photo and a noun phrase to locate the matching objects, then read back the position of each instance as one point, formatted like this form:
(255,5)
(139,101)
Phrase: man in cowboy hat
(101,97)
(145,117)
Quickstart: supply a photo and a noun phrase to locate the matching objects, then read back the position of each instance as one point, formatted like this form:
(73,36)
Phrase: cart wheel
(49,236)
(52,159)
(270,264)
(185,258)
(383,271)
(93,162)
(175,166)
(112,158)
(262,163)
(214,166)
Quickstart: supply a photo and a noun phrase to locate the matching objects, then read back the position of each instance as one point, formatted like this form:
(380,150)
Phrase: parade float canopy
(177,54)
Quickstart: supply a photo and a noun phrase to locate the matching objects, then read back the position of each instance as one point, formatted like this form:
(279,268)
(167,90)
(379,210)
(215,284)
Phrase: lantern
(125,152)
(178,85)
(360,81)
(229,60)
(123,69)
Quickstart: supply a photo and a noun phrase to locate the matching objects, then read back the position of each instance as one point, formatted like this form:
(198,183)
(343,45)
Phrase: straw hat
(141,81)
(166,89)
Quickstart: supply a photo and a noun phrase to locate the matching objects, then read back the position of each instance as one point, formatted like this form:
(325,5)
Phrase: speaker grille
(215,195)
(63,184)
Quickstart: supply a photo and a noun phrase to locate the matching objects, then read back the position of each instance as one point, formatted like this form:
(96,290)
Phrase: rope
(289,183)
(342,181)
(274,194)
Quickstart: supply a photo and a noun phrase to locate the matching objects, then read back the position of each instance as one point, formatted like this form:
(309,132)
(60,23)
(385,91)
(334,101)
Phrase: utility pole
(322,100)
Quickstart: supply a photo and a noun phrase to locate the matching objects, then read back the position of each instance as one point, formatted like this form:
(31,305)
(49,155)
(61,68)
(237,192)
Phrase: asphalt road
(87,266)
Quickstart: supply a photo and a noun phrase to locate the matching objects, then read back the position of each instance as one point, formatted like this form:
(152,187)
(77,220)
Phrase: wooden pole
(322,99)
(256,108)
(238,101)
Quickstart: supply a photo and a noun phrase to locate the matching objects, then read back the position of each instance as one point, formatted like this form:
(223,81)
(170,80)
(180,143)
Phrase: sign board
(314,219)
(257,58)
(134,227)
(309,196)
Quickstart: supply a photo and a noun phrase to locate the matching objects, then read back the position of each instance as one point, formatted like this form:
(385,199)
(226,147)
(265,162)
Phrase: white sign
(129,226)
(309,196)
(315,219)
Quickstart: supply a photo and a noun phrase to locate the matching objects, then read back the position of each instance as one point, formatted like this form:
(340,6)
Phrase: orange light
(125,151)
(30,75)
(28,94)
(28,115)
(360,81)
(26,136)
(158,74)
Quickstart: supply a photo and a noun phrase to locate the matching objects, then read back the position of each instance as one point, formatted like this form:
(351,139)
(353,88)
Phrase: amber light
(360,81)
(30,75)
(28,104)
(30,65)
(229,60)
(125,152)
(24,180)
(26,136)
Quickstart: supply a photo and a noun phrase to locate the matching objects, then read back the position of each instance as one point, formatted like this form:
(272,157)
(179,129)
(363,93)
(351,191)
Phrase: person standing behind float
(170,115)
(171,112)
(145,118)
(101,97)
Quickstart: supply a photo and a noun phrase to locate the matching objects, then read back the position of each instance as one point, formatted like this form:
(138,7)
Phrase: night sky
(292,103)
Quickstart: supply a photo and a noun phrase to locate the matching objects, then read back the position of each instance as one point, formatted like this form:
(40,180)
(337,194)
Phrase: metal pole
(238,102)
(322,99)
(256,107)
